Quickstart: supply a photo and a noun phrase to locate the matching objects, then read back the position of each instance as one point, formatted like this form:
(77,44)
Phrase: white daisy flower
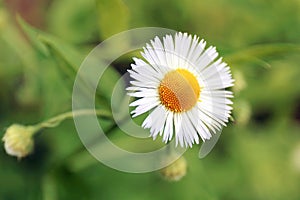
(182,86)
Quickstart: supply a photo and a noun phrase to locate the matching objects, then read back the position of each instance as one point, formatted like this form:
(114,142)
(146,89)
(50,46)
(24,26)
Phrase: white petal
(212,111)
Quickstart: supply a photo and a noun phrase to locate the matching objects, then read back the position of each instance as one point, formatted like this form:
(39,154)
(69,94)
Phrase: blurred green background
(257,156)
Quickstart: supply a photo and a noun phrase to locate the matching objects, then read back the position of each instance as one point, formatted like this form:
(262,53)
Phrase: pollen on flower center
(179,90)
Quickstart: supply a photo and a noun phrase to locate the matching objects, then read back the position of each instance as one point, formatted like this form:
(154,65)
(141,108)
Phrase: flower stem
(55,121)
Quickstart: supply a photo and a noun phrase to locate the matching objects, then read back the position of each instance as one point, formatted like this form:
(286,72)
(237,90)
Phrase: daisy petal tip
(162,57)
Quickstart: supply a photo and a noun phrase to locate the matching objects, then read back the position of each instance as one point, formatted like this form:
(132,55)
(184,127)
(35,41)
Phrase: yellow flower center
(179,90)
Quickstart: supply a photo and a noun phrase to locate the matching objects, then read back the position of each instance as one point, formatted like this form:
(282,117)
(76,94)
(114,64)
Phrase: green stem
(253,52)
(55,121)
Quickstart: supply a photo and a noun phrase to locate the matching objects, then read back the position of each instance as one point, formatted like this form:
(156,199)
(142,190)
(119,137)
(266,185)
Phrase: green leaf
(62,51)
(68,60)
(65,57)
(32,34)
(18,48)
(18,44)
(73,21)
(45,42)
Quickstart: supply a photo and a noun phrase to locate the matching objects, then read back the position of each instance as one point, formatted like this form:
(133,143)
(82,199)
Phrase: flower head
(182,86)
(18,140)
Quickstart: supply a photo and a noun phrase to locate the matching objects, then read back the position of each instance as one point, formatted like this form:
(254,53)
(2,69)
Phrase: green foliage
(73,21)
(256,159)
(113,17)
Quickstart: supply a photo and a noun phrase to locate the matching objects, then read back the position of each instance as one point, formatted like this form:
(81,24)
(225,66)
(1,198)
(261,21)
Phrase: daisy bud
(240,82)
(242,112)
(18,140)
(175,171)
(295,158)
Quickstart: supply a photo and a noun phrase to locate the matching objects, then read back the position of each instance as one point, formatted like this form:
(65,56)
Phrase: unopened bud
(240,82)
(295,158)
(175,171)
(242,111)
(18,140)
